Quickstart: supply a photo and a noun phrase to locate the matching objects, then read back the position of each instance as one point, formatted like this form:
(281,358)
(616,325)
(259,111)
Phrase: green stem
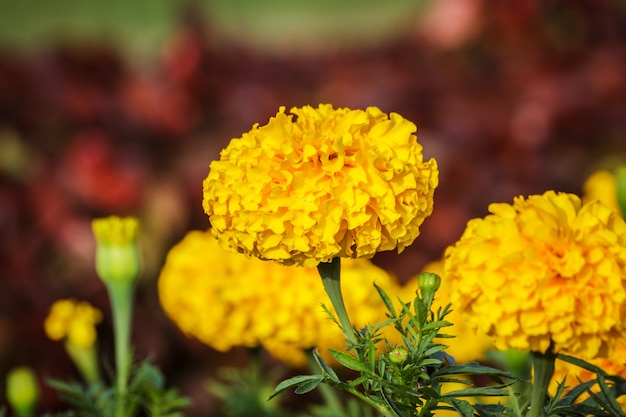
(385,411)
(543,367)
(121,295)
(331,273)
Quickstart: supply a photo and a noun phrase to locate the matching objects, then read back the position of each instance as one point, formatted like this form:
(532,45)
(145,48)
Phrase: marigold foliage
(73,321)
(321,183)
(573,375)
(468,344)
(227,300)
(544,269)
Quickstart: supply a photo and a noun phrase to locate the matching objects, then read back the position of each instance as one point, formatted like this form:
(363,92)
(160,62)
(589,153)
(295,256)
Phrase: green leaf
(477,392)
(471,368)
(309,385)
(326,369)
(294,382)
(386,300)
(462,407)
(435,349)
(436,325)
(430,361)
(392,405)
(349,361)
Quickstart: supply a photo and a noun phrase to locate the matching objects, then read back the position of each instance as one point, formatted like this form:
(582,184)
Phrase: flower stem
(543,367)
(121,295)
(331,273)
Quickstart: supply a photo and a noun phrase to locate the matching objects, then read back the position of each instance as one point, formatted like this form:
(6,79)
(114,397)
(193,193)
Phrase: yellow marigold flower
(544,269)
(225,300)
(468,343)
(73,321)
(614,365)
(321,183)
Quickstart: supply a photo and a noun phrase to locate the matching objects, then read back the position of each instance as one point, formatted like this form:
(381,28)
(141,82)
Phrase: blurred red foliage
(517,98)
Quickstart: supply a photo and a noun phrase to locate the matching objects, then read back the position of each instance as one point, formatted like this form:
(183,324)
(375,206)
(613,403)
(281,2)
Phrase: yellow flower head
(544,269)
(321,183)
(226,300)
(468,344)
(73,321)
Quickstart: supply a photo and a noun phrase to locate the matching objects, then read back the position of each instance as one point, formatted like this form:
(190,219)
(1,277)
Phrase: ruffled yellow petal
(544,269)
(321,183)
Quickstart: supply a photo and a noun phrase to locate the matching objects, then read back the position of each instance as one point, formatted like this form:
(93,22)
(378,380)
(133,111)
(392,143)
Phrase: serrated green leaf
(435,349)
(462,407)
(293,382)
(471,368)
(325,367)
(386,300)
(309,385)
(477,392)
(430,361)
(349,361)
(392,405)
(436,325)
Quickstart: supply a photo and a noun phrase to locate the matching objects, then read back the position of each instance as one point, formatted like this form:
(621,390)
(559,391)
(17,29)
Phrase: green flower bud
(117,250)
(22,391)
(398,355)
(428,284)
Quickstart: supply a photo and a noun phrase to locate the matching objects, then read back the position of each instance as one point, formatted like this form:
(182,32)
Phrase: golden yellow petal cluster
(227,300)
(321,183)
(545,269)
(468,344)
(73,321)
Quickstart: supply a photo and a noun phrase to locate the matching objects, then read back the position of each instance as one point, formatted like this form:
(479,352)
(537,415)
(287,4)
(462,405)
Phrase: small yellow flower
(543,270)
(601,185)
(73,321)
(225,300)
(321,183)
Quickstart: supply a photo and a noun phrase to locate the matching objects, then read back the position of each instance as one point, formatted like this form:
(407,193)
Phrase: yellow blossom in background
(73,321)
(601,185)
(468,344)
(614,365)
(321,183)
(226,300)
(544,269)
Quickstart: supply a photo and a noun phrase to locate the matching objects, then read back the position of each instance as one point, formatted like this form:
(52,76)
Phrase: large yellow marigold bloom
(468,344)
(321,183)
(226,300)
(545,268)
(73,321)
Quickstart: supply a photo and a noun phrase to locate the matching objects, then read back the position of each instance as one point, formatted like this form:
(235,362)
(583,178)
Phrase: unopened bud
(428,284)
(22,391)
(398,355)
(117,250)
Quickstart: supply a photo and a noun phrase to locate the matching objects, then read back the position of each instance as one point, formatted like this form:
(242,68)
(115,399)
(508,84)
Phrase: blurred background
(119,107)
